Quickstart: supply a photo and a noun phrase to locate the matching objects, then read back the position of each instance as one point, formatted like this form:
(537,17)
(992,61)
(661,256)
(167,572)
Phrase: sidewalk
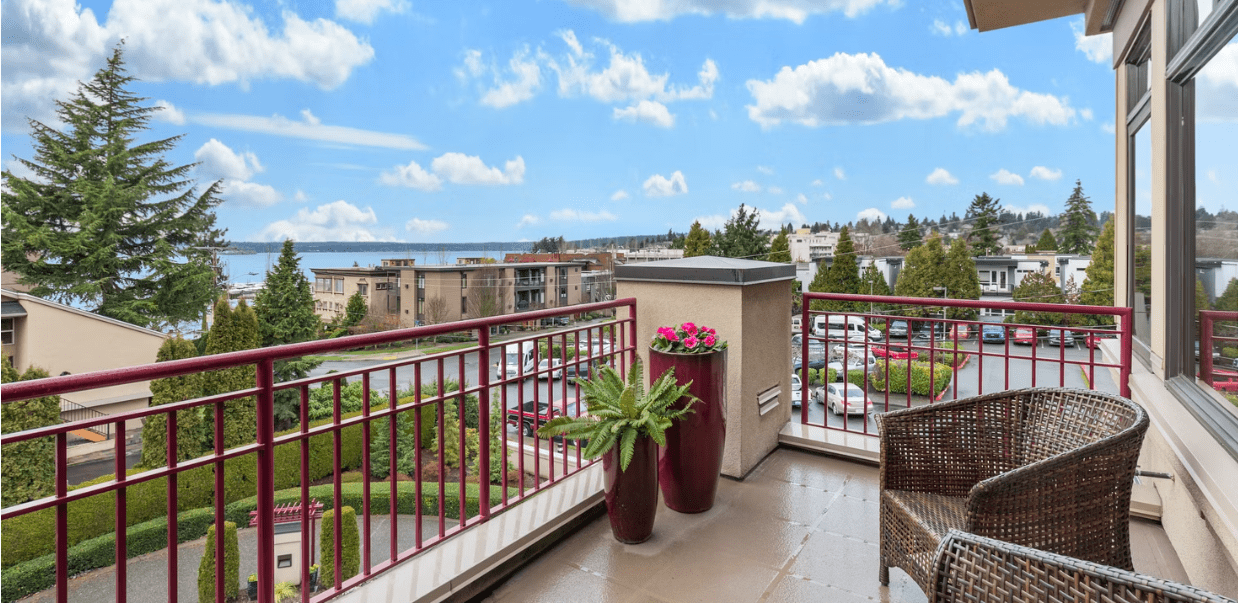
(147,574)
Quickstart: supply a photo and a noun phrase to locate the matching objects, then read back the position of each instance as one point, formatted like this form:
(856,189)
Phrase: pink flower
(691,341)
(671,335)
(689,328)
(709,341)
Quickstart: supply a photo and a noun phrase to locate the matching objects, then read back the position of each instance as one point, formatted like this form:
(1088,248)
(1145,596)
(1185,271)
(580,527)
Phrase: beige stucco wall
(58,339)
(757,355)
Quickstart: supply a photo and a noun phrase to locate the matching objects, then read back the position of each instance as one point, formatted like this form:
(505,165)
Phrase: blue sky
(467,121)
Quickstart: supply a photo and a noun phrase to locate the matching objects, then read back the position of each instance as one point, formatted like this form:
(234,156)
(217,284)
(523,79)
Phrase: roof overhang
(987,15)
(12,309)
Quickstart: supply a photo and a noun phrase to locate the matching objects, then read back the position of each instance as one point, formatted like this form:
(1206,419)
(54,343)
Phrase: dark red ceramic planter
(632,495)
(689,464)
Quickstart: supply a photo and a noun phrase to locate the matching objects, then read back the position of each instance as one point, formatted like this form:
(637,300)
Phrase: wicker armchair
(975,569)
(1047,468)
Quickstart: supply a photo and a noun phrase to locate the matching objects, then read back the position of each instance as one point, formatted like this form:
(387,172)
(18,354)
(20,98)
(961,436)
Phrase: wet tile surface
(801,527)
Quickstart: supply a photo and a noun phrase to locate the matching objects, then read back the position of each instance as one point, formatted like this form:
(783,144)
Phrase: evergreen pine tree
(697,241)
(1097,289)
(780,249)
(984,228)
(105,222)
(873,283)
(285,310)
(844,274)
(190,433)
(1228,301)
(1038,287)
(234,330)
(27,469)
(356,310)
(960,279)
(741,238)
(923,269)
(909,237)
(1046,242)
(1078,223)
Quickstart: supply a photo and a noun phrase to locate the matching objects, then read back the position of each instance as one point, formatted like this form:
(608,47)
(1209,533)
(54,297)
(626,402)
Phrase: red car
(1093,339)
(529,420)
(896,352)
(1025,336)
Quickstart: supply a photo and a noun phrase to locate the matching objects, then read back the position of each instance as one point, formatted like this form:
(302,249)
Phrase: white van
(515,356)
(850,328)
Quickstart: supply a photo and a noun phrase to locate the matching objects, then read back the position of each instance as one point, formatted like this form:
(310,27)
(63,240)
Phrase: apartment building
(405,295)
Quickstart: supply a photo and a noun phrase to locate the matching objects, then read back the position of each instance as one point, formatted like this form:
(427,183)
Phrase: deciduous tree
(922,271)
(486,294)
(105,222)
(1038,287)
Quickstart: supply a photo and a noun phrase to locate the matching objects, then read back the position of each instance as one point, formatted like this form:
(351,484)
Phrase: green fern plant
(620,412)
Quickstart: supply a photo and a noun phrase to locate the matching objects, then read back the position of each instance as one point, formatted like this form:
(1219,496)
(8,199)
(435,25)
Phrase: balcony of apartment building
(530,278)
(797,514)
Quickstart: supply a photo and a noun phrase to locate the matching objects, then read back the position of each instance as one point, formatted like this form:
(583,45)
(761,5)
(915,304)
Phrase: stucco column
(749,303)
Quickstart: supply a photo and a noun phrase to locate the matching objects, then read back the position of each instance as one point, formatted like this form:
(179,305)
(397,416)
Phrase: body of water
(252,268)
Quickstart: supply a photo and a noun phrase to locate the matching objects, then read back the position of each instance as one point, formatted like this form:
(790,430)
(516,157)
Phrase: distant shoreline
(252,247)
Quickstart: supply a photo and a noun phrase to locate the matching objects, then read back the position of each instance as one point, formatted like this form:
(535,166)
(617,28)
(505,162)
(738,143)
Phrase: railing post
(266,480)
(483,420)
(1124,373)
(1205,347)
(805,381)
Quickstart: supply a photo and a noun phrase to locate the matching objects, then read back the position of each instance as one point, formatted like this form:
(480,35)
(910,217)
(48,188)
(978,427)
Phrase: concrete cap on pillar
(707,269)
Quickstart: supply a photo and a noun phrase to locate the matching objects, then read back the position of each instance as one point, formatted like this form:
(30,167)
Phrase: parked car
(581,370)
(816,352)
(1061,338)
(898,329)
(992,334)
(531,416)
(1025,336)
(855,402)
(896,352)
(1093,339)
(544,372)
(797,392)
(854,363)
(924,330)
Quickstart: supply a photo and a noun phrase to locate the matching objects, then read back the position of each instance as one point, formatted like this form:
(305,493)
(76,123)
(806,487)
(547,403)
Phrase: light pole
(945,294)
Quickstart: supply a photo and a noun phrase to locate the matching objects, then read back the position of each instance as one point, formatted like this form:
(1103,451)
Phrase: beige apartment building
(404,295)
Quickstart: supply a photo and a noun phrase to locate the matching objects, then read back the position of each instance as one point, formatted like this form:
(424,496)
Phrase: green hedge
(350,547)
(380,494)
(40,573)
(920,376)
(943,354)
(206,567)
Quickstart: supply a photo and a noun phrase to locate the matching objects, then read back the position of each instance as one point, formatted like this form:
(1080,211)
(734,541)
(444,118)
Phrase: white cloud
(862,89)
(796,11)
(1003,176)
(714,222)
(309,128)
(625,78)
(469,169)
(802,199)
(250,193)
(217,161)
(1035,207)
(774,190)
(1086,114)
(871,214)
(827,196)
(941,28)
(169,113)
(521,82)
(818,182)
(528,220)
(747,186)
(765,169)
(941,176)
(1212,176)
(411,176)
(1045,173)
(774,218)
(619,195)
(660,186)
(300,197)
(1108,128)
(365,11)
(1098,48)
(575,215)
(903,203)
(647,111)
(335,221)
(839,173)
(1216,87)
(425,226)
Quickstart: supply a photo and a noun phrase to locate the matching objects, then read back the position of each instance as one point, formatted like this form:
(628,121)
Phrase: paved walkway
(147,574)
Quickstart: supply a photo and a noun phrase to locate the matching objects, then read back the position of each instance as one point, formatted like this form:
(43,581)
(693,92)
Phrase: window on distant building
(464,280)
(421,281)
(6,332)
(363,289)
(339,285)
(464,305)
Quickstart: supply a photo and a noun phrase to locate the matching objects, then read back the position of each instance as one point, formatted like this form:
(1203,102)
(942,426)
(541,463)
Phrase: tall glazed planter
(632,495)
(691,461)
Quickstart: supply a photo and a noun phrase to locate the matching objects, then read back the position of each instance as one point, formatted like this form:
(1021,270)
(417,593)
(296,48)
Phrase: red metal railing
(957,343)
(609,343)
(1225,379)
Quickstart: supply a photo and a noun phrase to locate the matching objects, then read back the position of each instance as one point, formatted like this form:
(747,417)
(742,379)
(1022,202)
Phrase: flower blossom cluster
(688,338)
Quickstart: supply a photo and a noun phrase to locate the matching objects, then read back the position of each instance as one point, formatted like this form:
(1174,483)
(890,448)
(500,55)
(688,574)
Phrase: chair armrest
(973,569)
(949,447)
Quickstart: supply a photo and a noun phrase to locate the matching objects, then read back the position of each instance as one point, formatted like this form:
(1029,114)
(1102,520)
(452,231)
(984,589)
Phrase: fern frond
(627,447)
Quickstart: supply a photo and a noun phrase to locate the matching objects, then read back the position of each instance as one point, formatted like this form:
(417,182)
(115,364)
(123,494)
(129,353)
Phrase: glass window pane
(1216,217)
(1142,302)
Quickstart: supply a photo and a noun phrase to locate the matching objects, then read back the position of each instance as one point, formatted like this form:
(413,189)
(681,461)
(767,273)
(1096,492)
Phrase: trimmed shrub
(27,470)
(350,546)
(944,353)
(206,569)
(921,374)
(380,494)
